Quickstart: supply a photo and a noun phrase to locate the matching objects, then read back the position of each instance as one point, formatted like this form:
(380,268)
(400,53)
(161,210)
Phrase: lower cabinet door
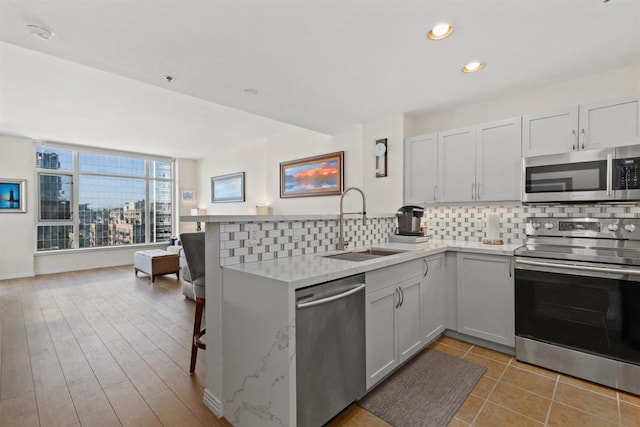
(381,326)
(409,316)
(433,299)
(486,297)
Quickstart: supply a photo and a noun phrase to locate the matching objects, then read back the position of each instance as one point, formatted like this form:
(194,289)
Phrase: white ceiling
(318,64)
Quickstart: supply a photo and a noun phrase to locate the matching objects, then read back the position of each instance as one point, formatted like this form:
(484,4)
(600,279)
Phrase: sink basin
(377,251)
(358,255)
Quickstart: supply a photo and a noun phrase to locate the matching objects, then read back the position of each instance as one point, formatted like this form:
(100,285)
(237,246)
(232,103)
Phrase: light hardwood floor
(104,348)
(99,348)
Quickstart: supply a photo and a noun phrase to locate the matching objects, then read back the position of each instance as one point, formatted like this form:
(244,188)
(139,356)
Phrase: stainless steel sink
(358,255)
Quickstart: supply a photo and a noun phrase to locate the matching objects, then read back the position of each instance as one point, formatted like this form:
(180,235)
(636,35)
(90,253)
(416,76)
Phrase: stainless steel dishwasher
(330,349)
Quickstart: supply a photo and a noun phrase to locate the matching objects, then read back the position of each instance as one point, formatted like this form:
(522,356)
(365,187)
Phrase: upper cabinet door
(420,169)
(456,178)
(498,160)
(610,123)
(550,133)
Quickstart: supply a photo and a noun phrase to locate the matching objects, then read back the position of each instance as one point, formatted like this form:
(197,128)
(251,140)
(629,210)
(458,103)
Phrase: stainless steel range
(578,298)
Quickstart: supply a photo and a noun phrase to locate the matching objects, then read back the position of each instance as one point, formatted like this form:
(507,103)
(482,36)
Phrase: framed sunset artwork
(312,176)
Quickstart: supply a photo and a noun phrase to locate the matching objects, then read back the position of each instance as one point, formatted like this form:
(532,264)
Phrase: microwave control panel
(627,174)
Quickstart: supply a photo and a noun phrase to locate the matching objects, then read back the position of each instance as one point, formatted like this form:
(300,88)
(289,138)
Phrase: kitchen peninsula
(256,263)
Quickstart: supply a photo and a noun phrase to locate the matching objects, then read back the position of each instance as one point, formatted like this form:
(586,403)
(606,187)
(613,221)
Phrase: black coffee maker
(409,221)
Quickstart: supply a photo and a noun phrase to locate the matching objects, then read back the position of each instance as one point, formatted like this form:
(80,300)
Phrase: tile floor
(516,394)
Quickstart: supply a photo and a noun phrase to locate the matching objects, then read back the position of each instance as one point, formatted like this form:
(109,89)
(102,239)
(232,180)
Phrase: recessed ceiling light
(249,92)
(440,31)
(472,67)
(40,32)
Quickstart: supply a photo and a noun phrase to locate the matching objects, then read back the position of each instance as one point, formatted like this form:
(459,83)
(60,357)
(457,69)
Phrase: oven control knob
(535,225)
(612,227)
(548,225)
(630,228)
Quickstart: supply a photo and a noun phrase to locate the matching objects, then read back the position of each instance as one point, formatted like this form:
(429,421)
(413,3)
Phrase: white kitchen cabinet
(486,297)
(498,160)
(456,176)
(550,133)
(409,314)
(421,169)
(591,126)
(612,123)
(382,339)
(481,163)
(393,327)
(434,298)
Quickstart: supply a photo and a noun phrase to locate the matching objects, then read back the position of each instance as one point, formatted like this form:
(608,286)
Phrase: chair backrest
(193,247)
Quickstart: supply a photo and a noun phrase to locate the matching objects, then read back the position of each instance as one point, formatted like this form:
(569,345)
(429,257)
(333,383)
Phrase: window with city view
(89,199)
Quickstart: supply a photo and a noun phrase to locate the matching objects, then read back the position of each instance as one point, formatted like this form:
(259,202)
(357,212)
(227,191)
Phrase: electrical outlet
(297,234)
(254,239)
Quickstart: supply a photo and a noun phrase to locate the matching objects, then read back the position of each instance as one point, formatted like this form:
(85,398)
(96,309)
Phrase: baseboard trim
(16,276)
(212,402)
(481,342)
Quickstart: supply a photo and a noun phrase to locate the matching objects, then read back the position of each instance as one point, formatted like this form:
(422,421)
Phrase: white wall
(251,159)
(261,163)
(610,84)
(384,195)
(186,179)
(60,262)
(17,160)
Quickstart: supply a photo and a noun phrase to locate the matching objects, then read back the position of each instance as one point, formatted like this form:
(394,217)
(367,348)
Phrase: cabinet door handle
(478,191)
(435,192)
(398,292)
(473,191)
(573,139)
(583,137)
(510,266)
(401,297)
(426,264)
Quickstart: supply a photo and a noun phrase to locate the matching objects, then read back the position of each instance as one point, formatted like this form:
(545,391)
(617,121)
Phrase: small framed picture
(227,188)
(13,195)
(188,196)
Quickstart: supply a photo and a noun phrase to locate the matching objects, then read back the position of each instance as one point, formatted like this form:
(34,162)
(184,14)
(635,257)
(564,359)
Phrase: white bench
(156,262)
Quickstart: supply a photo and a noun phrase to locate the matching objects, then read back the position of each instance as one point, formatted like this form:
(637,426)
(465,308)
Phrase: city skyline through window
(118,201)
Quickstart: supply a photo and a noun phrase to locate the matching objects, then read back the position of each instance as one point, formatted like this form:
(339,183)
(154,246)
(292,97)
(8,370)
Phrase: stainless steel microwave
(608,175)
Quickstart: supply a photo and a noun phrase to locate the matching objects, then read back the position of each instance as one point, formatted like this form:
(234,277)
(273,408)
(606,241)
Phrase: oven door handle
(580,267)
(609,172)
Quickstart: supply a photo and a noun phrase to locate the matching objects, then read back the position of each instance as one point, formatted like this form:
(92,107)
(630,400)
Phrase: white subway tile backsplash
(283,254)
(251,258)
(242,235)
(455,223)
(241,251)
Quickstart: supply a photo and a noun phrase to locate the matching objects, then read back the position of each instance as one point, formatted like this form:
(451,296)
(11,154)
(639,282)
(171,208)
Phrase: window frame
(75,193)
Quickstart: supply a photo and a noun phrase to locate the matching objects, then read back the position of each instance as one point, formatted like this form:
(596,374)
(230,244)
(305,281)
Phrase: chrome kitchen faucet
(343,243)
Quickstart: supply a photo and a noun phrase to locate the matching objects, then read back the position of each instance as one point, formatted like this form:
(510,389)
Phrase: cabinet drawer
(380,279)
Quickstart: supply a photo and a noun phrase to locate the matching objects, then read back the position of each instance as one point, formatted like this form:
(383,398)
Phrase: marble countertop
(266,218)
(305,270)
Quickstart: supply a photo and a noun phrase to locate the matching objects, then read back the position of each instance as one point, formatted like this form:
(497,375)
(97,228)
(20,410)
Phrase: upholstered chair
(193,247)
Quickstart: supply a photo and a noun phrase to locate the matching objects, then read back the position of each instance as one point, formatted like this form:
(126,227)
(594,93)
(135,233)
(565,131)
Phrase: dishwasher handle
(313,303)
